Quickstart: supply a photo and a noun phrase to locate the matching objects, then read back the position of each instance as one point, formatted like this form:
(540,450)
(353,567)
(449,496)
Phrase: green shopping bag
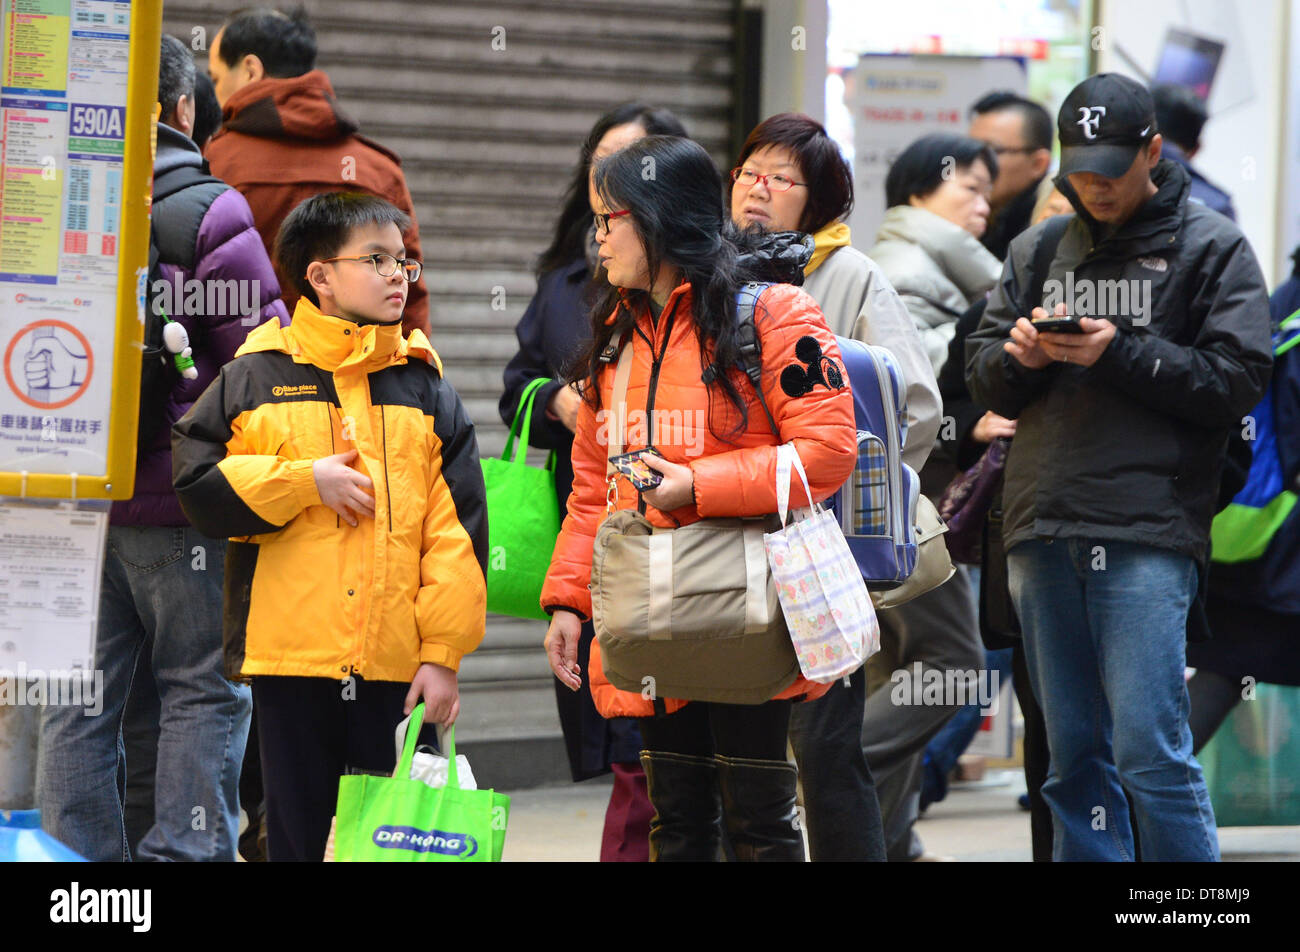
(523,520)
(1252,763)
(400,820)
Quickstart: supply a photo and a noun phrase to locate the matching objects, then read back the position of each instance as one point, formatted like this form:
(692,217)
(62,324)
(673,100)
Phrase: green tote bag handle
(524,416)
(408,749)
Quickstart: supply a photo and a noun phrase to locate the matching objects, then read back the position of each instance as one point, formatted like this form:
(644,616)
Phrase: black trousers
(702,728)
(839,796)
(311,732)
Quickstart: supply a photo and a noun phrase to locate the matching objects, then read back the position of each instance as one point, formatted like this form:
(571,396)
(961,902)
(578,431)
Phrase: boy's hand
(437,687)
(343,488)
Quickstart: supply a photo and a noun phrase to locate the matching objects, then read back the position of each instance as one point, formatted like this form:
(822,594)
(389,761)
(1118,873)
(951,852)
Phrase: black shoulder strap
(751,353)
(1041,263)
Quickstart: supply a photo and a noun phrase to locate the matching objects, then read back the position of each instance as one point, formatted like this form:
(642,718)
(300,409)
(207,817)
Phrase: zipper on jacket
(329,422)
(656,363)
(388,492)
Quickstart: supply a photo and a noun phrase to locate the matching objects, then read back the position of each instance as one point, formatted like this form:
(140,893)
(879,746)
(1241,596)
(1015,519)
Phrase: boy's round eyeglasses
(386,265)
(775,183)
(603,220)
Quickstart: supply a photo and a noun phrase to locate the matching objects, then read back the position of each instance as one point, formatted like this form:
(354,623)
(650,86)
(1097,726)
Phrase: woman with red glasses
(674,270)
(552,332)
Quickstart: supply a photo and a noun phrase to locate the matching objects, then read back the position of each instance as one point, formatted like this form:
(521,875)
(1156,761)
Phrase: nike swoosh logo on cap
(1144,131)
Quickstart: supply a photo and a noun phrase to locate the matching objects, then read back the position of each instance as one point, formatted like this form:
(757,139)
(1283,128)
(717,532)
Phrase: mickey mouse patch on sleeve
(798,381)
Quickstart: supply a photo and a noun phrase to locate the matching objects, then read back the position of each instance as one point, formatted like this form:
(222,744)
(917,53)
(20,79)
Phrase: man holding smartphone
(1114,473)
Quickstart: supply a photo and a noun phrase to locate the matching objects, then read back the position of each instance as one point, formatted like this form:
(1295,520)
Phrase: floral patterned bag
(827,608)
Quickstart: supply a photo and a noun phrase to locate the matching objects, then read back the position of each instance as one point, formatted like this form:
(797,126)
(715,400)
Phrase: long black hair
(674,193)
(570,237)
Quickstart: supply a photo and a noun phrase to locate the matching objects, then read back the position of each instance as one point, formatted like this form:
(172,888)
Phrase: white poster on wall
(895,99)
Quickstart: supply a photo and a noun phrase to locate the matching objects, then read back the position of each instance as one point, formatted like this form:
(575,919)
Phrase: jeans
(839,795)
(1105,638)
(160,609)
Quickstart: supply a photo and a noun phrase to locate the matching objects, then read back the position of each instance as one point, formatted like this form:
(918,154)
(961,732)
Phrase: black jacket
(554,330)
(1131,448)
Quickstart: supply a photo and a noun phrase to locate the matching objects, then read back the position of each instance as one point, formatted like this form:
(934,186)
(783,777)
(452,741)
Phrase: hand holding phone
(635,469)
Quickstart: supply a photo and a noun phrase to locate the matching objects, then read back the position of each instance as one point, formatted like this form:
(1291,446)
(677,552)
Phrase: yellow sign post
(78,82)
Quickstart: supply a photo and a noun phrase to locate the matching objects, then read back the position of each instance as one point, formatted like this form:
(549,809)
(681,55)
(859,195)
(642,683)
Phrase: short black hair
(1180,114)
(319,226)
(923,165)
(1037,122)
(827,174)
(284,42)
(175,74)
(207,112)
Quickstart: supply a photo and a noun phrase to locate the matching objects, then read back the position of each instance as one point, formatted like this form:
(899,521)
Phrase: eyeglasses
(603,220)
(775,183)
(386,265)
(1008,149)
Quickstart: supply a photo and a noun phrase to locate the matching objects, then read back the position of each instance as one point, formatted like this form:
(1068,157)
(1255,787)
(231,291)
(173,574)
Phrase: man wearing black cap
(1159,345)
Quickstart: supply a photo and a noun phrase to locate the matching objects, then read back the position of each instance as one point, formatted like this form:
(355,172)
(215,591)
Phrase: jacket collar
(957,252)
(638,306)
(175,150)
(336,344)
(1152,224)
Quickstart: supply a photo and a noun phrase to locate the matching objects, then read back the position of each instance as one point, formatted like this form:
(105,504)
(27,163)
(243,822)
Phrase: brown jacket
(285,140)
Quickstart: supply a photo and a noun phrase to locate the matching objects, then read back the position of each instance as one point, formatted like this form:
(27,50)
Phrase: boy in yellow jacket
(344,469)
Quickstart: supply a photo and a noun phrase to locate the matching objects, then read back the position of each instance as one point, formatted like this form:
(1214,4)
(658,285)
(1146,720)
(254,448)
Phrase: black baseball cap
(1103,123)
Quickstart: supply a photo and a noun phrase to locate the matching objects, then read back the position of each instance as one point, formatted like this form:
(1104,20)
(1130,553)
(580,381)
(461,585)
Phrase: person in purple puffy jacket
(151,770)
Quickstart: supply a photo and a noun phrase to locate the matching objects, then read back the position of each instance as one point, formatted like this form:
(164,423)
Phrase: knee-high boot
(684,792)
(758,806)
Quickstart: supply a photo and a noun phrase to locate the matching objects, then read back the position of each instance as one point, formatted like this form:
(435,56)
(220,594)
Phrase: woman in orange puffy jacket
(665,250)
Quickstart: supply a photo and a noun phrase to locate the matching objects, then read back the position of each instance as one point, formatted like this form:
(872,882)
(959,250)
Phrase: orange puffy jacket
(732,478)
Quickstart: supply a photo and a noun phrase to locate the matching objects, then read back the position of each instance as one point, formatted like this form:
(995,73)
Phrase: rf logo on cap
(1091,119)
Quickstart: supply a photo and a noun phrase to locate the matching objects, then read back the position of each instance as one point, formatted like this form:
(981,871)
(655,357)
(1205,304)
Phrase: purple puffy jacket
(216,223)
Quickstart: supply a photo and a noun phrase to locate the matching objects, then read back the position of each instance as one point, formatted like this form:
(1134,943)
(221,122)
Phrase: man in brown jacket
(285,138)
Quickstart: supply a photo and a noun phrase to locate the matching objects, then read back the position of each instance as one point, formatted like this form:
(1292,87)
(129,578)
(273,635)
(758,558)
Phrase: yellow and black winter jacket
(306,594)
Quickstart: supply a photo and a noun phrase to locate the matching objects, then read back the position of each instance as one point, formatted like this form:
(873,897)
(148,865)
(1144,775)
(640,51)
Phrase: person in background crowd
(285,137)
(1019,131)
(1253,606)
(207,111)
(553,332)
(1180,118)
(973,429)
(937,192)
(1112,479)
(179,746)
(674,276)
(790,176)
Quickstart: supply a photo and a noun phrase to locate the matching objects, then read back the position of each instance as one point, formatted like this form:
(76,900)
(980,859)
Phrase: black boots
(758,801)
(684,792)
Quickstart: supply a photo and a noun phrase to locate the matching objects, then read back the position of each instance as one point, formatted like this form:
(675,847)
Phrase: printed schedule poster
(63,71)
(50,560)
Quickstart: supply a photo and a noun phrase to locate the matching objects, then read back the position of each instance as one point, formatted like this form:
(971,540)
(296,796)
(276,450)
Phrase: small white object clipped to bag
(827,607)
(431,767)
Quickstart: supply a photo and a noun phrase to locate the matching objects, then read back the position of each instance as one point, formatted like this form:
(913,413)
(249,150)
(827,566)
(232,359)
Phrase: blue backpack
(1243,530)
(876,507)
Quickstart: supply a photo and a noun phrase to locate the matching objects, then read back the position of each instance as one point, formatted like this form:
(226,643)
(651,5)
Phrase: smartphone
(1057,325)
(635,469)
